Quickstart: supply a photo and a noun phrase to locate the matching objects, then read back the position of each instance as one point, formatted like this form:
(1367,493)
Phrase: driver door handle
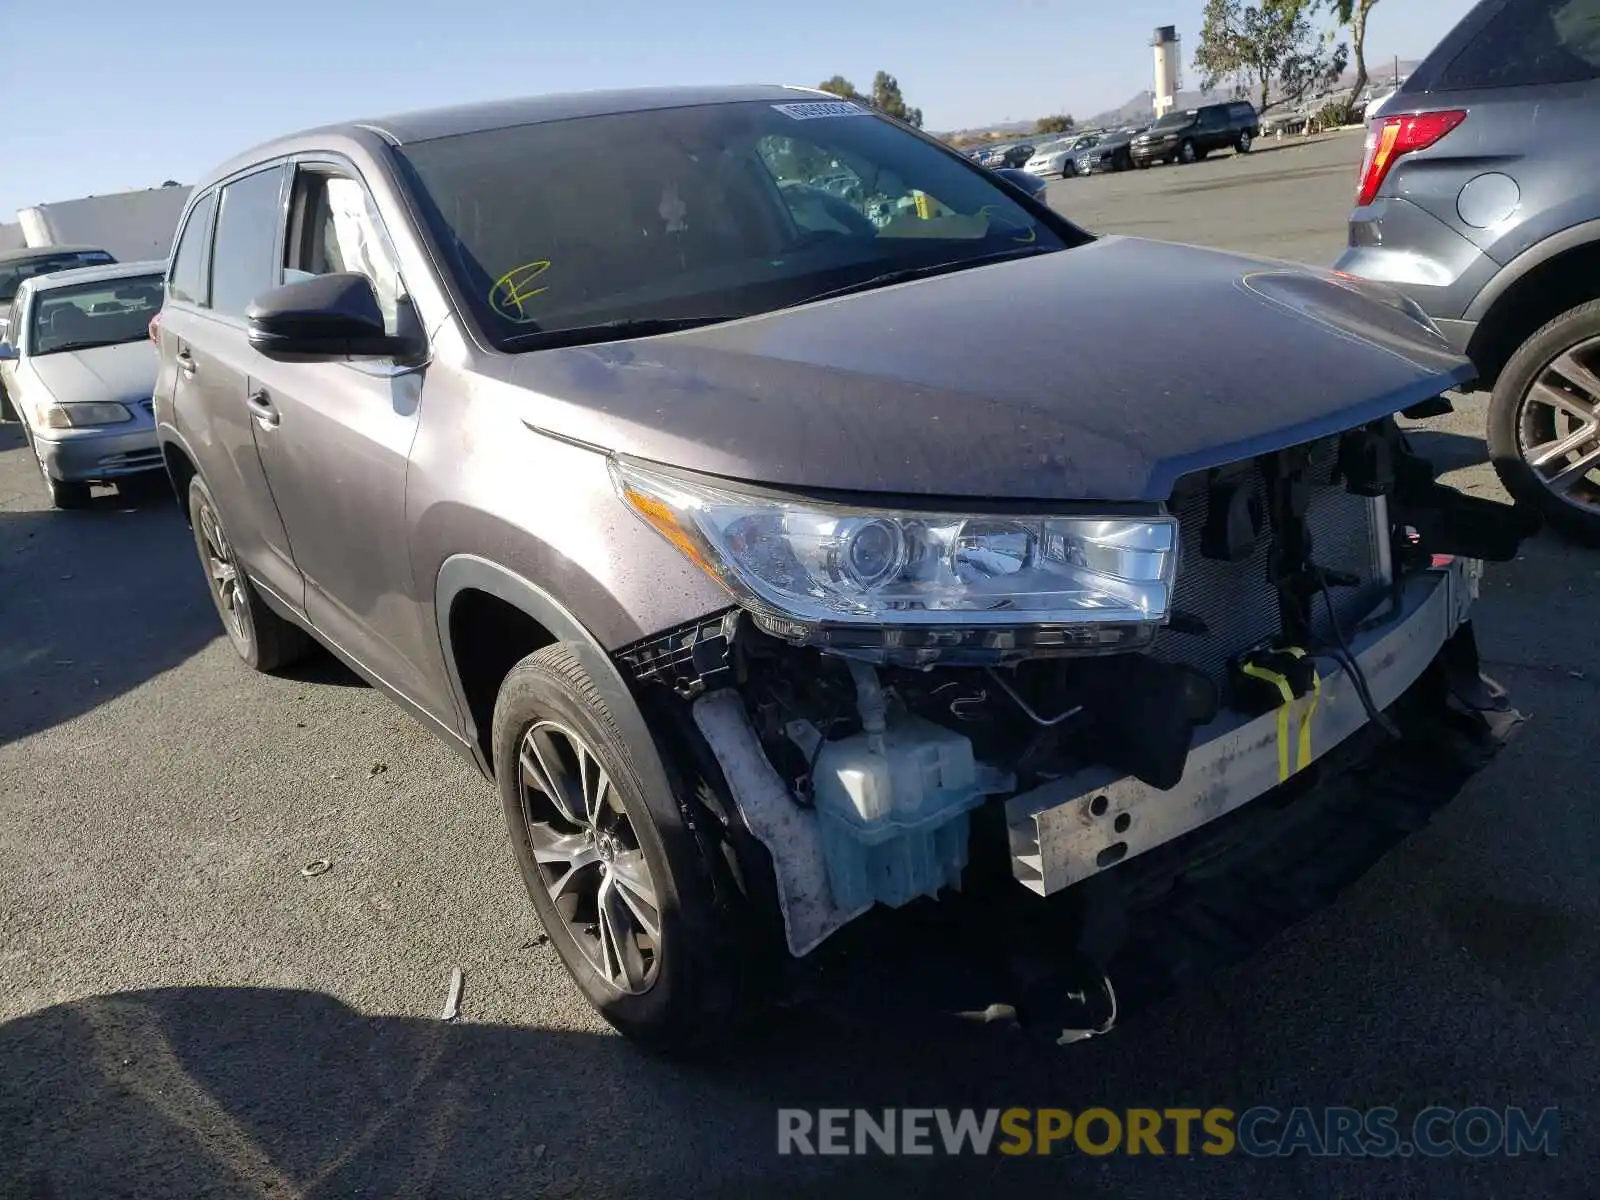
(186,364)
(260,404)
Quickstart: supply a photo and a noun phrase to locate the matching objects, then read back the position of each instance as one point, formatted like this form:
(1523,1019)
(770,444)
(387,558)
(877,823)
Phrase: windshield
(94,314)
(1174,120)
(13,273)
(708,211)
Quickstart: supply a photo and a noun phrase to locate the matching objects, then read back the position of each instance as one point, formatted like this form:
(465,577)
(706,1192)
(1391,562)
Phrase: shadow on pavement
(265,1092)
(93,603)
(1448,451)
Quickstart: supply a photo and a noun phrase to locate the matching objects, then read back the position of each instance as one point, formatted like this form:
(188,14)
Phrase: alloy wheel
(223,573)
(589,857)
(1558,428)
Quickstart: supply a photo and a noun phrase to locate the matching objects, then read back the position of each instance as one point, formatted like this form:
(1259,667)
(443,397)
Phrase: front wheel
(1245,142)
(1187,153)
(66,495)
(612,871)
(1544,423)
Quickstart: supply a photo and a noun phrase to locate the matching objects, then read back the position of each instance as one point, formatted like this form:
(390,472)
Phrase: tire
(1187,154)
(1069,170)
(262,638)
(1521,419)
(1245,142)
(66,495)
(674,986)
(7,413)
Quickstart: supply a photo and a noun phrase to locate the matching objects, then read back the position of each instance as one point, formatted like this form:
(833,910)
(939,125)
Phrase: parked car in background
(1013,155)
(17,265)
(698,520)
(79,367)
(1111,153)
(1060,158)
(1376,102)
(1479,200)
(1187,137)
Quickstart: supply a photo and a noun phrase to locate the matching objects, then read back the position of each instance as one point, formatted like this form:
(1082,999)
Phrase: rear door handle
(186,364)
(260,404)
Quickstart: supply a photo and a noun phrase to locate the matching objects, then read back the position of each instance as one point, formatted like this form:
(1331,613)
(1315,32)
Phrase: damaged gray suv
(661,451)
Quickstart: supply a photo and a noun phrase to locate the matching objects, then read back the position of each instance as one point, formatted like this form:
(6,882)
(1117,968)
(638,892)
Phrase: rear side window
(1529,42)
(188,279)
(244,255)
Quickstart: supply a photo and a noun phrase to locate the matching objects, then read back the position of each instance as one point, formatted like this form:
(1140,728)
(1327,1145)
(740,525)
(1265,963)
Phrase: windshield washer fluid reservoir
(894,821)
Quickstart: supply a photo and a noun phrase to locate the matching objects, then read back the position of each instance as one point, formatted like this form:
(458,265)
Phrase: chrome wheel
(1558,429)
(223,574)
(589,857)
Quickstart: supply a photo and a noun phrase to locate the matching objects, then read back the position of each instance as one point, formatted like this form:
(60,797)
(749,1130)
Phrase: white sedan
(79,367)
(1059,158)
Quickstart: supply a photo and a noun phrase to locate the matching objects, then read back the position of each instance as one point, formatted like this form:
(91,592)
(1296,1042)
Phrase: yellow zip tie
(1305,721)
(1280,682)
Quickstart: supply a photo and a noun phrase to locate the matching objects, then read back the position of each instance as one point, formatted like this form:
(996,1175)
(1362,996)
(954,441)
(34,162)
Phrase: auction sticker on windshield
(821,108)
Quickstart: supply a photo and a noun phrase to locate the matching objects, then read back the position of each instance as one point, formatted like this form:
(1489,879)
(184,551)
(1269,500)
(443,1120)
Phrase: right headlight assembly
(911,585)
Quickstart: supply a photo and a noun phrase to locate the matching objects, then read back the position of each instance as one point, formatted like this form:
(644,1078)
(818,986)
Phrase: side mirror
(8,352)
(325,316)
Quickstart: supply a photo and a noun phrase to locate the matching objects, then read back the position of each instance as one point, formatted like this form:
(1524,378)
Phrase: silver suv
(1479,199)
(664,453)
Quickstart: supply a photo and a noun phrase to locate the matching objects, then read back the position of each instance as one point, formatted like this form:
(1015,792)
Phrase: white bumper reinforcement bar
(1083,823)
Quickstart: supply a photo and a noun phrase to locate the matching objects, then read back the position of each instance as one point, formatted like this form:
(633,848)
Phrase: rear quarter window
(1529,42)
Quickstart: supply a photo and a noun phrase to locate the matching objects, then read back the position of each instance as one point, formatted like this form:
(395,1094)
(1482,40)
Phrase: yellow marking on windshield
(511,292)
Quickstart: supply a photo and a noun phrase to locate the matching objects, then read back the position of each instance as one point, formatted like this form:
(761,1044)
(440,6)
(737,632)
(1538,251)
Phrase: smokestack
(1168,61)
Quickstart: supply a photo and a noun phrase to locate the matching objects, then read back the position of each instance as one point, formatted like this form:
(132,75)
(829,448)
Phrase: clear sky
(103,95)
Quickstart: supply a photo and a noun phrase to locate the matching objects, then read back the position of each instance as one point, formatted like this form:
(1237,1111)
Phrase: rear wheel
(611,869)
(260,636)
(1544,423)
(1244,143)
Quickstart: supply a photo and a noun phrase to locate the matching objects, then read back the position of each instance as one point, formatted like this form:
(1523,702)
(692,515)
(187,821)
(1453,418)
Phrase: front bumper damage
(1111,787)
(1083,823)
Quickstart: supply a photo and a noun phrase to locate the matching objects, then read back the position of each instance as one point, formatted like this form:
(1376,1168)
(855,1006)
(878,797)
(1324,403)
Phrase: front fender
(461,572)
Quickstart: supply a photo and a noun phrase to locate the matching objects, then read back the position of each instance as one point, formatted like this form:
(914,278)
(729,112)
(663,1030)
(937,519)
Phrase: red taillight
(1393,137)
(154,329)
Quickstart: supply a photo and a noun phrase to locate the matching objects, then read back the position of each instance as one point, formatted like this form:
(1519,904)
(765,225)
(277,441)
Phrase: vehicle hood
(126,371)
(1158,360)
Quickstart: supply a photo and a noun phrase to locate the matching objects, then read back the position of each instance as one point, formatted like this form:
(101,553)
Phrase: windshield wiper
(69,346)
(907,274)
(604,331)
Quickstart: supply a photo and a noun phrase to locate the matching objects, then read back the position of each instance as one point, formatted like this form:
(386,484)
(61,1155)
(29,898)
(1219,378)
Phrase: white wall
(133,226)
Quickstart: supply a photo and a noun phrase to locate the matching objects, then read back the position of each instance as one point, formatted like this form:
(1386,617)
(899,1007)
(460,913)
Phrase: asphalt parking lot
(183,1012)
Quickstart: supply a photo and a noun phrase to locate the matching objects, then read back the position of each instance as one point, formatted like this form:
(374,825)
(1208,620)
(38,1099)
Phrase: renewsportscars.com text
(1259,1132)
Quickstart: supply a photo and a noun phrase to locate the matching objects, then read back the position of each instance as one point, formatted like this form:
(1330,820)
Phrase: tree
(1352,15)
(840,87)
(886,98)
(1258,48)
(1059,123)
